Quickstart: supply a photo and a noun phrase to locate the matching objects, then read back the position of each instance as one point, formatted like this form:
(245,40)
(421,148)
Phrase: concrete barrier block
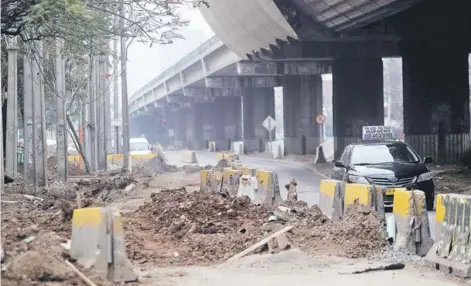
(121,269)
(330,198)
(268,188)
(248,186)
(358,194)
(238,147)
(91,239)
(142,157)
(247,171)
(212,146)
(412,224)
(189,157)
(230,180)
(204,174)
(98,242)
(452,250)
(228,156)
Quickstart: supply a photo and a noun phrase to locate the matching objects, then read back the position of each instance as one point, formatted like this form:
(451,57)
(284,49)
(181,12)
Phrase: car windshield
(387,153)
(139,146)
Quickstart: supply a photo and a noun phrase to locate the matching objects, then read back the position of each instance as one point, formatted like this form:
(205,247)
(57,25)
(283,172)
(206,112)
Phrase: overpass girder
(240,82)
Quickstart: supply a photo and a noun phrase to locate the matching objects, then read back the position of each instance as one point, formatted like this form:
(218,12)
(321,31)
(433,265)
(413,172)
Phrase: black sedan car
(393,164)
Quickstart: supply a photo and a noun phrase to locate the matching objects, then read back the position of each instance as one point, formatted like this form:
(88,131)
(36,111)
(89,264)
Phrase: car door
(339,173)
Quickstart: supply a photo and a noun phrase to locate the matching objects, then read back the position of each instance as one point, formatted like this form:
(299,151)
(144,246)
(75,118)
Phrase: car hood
(389,169)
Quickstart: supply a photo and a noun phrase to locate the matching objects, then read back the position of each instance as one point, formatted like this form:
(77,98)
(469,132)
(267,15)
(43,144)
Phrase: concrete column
(258,104)
(194,128)
(302,102)
(357,98)
(436,100)
(207,115)
(432,99)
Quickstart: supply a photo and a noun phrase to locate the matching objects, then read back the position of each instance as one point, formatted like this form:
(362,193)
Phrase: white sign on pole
(269,123)
(377,133)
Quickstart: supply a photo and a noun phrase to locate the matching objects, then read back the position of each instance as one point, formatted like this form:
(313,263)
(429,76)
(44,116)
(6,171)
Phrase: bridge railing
(205,48)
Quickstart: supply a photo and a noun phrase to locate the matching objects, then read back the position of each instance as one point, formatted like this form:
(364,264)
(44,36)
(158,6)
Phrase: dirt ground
(454,181)
(176,235)
(294,267)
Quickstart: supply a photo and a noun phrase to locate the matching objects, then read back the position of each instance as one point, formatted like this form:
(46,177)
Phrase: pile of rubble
(359,234)
(186,228)
(40,260)
(156,165)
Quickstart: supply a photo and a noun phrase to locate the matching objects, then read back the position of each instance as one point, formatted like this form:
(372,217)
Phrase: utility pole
(124,90)
(92,114)
(61,127)
(107,107)
(116,95)
(38,113)
(28,119)
(11,162)
(43,117)
(101,111)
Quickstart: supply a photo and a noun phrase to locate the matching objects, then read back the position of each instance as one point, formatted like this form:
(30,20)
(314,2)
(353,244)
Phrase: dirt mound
(359,234)
(191,169)
(39,266)
(156,165)
(222,164)
(192,228)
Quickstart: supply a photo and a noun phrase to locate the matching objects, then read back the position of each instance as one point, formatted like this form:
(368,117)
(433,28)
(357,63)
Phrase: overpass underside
(433,39)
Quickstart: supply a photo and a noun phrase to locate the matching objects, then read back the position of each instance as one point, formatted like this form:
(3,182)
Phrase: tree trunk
(79,144)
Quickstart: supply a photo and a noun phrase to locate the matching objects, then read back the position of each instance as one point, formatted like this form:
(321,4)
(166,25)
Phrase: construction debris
(156,165)
(292,191)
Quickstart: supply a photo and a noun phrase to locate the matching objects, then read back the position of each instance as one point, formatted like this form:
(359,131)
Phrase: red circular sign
(320,119)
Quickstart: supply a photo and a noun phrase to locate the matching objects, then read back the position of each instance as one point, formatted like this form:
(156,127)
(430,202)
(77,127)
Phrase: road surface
(308,181)
(291,267)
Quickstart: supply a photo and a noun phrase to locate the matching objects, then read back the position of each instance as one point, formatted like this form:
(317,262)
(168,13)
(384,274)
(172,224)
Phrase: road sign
(320,118)
(269,123)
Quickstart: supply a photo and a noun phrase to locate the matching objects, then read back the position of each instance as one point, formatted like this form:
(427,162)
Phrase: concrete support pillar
(436,100)
(177,123)
(208,115)
(227,118)
(194,127)
(258,103)
(357,98)
(302,102)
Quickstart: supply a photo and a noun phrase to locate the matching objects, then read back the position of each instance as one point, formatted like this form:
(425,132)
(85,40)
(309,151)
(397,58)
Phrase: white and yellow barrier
(98,241)
(358,194)
(331,198)
(412,224)
(228,156)
(268,188)
(452,250)
(189,157)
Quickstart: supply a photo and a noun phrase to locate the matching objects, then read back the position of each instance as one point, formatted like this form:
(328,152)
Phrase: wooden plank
(260,243)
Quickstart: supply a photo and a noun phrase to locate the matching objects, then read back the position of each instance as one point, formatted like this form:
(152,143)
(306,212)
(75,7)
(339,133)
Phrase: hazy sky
(145,63)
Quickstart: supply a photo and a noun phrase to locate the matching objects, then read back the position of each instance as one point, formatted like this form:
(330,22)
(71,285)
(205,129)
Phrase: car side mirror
(339,164)
(428,160)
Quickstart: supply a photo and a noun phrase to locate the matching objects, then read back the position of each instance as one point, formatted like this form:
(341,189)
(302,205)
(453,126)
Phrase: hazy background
(145,63)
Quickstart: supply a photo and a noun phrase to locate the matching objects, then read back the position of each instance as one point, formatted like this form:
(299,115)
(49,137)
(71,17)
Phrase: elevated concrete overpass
(225,88)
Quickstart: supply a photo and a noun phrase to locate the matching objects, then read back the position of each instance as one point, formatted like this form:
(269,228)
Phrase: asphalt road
(308,180)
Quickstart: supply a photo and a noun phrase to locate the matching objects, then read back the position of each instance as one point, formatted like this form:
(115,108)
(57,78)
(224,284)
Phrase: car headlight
(425,177)
(358,180)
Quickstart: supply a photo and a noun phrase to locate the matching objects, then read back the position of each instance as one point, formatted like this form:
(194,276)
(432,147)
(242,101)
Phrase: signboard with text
(377,133)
